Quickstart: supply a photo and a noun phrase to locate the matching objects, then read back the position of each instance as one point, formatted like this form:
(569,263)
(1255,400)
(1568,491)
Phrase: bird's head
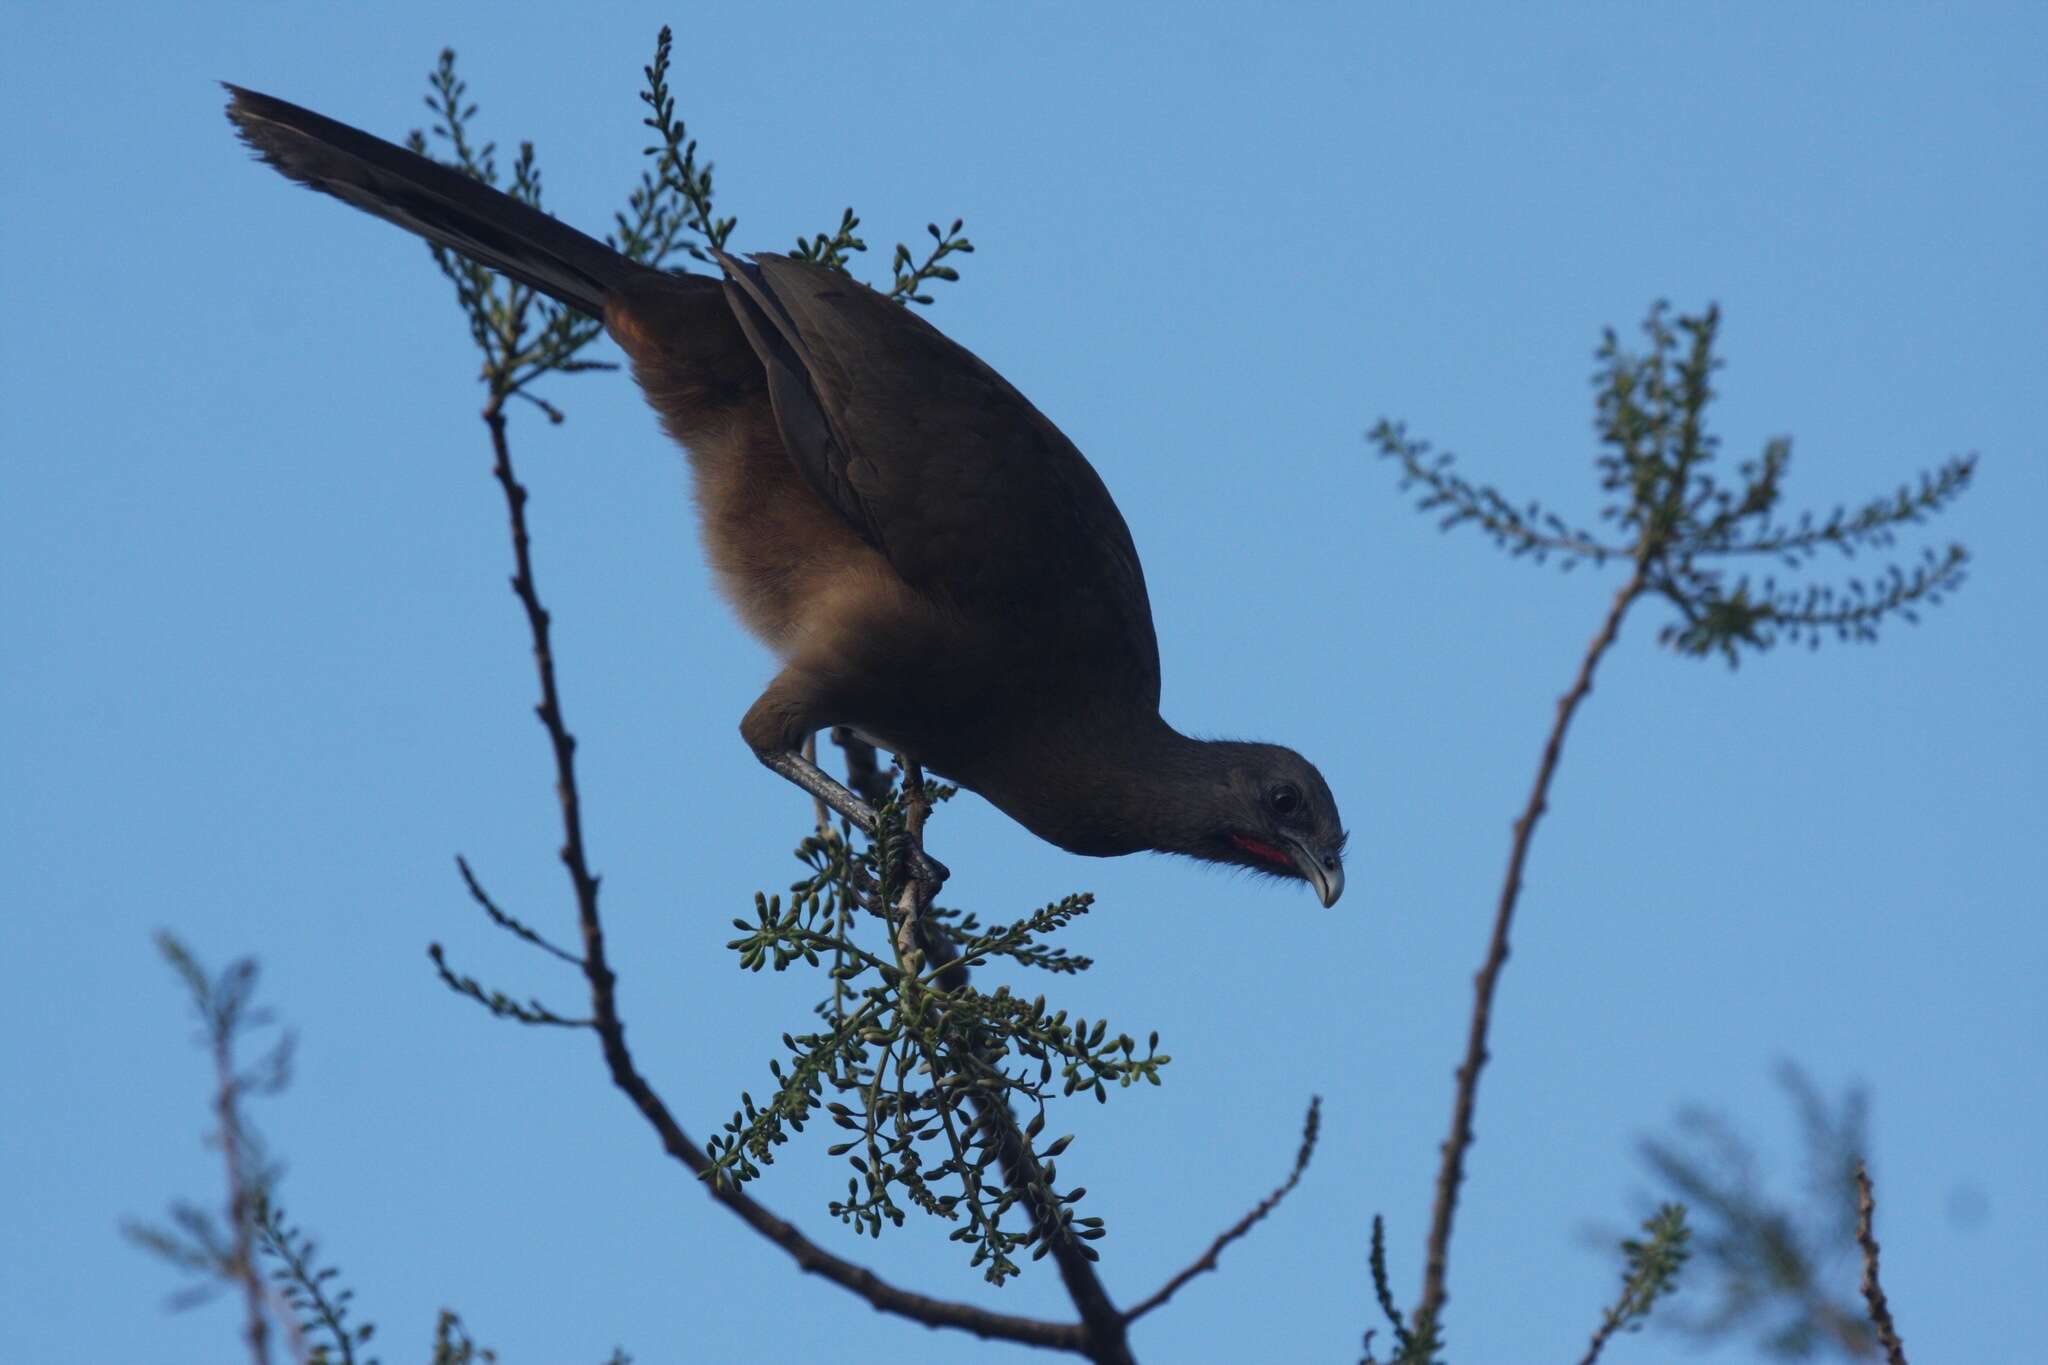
(1278,817)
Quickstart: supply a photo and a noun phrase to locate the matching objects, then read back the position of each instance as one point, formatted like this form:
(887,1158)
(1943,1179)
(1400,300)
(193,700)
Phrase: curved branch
(1310,1126)
(1451,1172)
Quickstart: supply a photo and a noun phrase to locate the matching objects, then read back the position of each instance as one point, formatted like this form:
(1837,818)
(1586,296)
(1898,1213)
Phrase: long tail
(439,204)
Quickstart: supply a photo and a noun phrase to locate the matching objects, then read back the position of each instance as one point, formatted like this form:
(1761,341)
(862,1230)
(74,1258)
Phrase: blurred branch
(1775,1267)
(222,1253)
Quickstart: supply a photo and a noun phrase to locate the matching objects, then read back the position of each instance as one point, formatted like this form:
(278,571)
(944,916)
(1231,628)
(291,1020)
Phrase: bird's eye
(1285,798)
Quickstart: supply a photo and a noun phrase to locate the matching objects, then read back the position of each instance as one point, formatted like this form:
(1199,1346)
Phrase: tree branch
(1873,1291)
(1207,1260)
(1451,1172)
(611,1030)
(243,1200)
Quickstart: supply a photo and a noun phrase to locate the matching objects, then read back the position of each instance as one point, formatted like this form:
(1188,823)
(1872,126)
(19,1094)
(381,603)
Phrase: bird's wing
(972,495)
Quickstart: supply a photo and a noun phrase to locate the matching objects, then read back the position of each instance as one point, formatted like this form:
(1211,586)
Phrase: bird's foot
(928,869)
(795,768)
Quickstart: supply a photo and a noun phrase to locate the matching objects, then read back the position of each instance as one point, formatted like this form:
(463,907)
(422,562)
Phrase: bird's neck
(1124,789)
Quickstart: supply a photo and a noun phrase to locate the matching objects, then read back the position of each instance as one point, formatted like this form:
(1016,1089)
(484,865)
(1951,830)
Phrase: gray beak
(1324,871)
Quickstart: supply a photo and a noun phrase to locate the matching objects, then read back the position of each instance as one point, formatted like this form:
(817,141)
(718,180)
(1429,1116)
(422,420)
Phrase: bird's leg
(775,727)
(793,766)
(912,929)
(822,811)
(863,774)
(916,807)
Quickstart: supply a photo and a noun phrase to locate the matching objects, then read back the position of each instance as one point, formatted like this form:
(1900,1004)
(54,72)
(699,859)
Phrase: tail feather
(429,199)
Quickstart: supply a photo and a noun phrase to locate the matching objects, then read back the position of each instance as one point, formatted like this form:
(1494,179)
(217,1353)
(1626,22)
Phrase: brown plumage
(936,566)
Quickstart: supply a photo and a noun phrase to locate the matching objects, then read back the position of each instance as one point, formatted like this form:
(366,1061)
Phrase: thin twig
(507,922)
(1207,1260)
(1608,1323)
(1873,1291)
(611,1030)
(1451,1172)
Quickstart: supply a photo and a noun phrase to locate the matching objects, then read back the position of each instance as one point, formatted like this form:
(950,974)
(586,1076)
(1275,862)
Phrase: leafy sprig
(312,1291)
(911,273)
(1650,1267)
(1680,521)
(913,1068)
(671,210)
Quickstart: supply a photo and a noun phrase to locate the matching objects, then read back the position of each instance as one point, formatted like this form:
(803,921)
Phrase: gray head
(1273,813)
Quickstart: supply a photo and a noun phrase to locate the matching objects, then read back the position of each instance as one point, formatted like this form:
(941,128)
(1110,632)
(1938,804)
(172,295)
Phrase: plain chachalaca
(936,566)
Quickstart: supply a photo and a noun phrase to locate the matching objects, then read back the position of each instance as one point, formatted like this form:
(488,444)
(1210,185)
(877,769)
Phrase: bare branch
(1451,1172)
(245,1197)
(1310,1127)
(501,1005)
(1873,1291)
(507,922)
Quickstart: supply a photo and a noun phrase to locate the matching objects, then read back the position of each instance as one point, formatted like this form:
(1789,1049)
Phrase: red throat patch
(1263,850)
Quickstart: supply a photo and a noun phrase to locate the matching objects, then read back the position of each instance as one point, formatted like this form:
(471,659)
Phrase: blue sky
(264,681)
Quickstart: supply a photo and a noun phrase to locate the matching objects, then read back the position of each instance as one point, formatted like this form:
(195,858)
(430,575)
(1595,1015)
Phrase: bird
(934,565)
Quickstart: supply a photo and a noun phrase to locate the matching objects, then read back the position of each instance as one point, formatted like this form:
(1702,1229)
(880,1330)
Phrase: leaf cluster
(1674,516)
(522,333)
(671,210)
(1649,1271)
(917,1071)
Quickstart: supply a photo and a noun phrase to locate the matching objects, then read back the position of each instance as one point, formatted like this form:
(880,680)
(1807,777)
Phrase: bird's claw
(928,869)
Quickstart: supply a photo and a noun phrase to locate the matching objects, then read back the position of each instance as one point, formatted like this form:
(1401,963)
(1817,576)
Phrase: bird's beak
(1322,870)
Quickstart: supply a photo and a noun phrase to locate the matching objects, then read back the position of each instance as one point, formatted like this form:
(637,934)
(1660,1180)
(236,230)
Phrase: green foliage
(836,249)
(1681,525)
(672,204)
(502,314)
(1649,1271)
(910,273)
(918,1068)
(311,1291)
(1782,1270)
